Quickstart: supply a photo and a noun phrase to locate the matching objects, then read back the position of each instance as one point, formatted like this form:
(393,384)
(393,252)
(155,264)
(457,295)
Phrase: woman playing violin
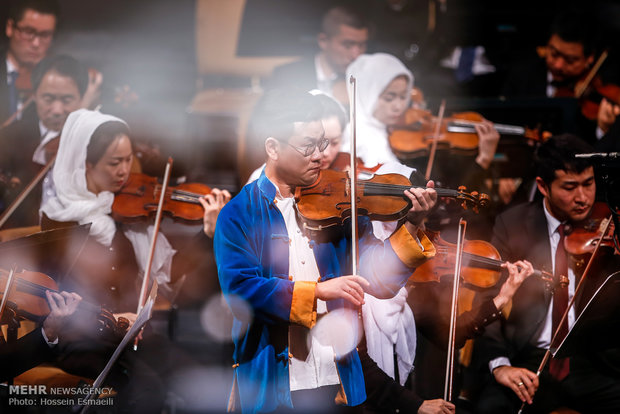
(384,90)
(93,162)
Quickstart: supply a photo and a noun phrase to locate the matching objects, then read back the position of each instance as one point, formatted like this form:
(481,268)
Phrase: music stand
(596,328)
(52,252)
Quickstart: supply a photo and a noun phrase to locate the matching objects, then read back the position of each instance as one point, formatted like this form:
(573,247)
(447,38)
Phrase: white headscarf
(373,74)
(74,202)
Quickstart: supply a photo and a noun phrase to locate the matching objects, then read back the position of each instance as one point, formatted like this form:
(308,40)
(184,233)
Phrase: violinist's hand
(93,89)
(522,381)
(350,288)
(488,137)
(607,113)
(130,316)
(517,273)
(62,305)
(423,200)
(213,203)
(437,406)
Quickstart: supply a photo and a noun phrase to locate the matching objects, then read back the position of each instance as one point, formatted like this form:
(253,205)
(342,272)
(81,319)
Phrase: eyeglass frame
(29,34)
(305,151)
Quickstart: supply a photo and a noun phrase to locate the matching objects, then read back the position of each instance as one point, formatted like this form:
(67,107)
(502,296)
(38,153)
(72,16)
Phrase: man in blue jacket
(289,281)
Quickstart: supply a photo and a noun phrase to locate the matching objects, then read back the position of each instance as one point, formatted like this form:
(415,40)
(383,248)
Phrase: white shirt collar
(552,222)
(10,67)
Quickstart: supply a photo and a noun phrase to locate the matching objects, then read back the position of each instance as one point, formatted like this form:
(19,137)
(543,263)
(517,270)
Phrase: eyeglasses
(308,149)
(28,33)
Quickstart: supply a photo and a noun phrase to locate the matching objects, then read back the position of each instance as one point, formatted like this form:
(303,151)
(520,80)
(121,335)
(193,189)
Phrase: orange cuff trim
(408,249)
(303,310)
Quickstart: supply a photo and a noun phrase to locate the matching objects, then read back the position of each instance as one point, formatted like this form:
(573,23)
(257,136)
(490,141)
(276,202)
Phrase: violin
(413,135)
(326,202)
(138,200)
(582,238)
(27,300)
(481,266)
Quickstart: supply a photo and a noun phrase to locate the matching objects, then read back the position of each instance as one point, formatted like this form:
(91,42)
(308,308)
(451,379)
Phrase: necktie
(559,368)
(13,98)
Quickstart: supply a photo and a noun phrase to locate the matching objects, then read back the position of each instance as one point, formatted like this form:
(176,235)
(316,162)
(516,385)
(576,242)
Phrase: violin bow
(26,191)
(17,113)
(149,261)
(554,338)
(431,157)
(7,289)
(353,174)
(447,394)
(581,87)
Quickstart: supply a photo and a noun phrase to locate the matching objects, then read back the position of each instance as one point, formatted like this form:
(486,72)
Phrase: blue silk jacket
(251,250)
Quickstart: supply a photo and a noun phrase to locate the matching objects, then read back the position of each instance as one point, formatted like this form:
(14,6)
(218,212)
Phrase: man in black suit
(343,37)
(26,145)
(568,55)
(30,29)
(511,350)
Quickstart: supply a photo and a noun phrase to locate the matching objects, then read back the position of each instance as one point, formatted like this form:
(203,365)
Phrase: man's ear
(272,147)
(9,28)
(542,187)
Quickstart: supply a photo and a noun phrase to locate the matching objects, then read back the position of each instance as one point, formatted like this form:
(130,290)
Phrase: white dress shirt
(318,368)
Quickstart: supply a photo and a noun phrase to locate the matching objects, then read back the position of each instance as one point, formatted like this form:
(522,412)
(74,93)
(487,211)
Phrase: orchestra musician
(343,37)
(570,52)
(93,162)
(59,84)
(384,90)
(258,244)
(511,351)
(334,120)
(30,28)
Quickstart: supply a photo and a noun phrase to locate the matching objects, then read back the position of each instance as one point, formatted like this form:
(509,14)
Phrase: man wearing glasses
(30,28)
(269,268)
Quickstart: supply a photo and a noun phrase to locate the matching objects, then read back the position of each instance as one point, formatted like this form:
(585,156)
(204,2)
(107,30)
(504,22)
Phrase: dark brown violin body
(139,197)
(481,262)
(327,202)
(582,238)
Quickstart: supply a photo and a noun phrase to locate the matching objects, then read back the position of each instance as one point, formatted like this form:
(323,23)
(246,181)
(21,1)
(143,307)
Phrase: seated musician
(93,162)
(59,84)
(38,346)
(566,60)
(30,28)
(512,351)
(343,37)
(258,244)
(383,94)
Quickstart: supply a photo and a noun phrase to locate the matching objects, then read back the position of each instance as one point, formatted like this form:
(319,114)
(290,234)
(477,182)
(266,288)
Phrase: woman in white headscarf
(93,162)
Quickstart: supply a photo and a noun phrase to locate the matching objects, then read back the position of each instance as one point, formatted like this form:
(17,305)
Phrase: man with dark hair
(30,28)
(59,83)
(512,349)
(569,54)
(269,268)
(342,38)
